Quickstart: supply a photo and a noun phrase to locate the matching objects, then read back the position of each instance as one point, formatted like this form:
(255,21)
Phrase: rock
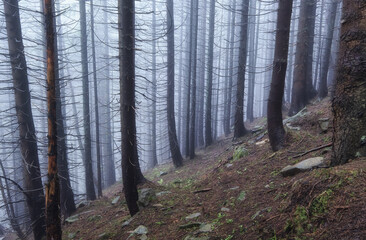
(72,219)
(242,196)
(140,230)
(115,200)
(146,196)
(262,142)
(300,114)
(205,228)
(190,225)
(229,165)
(192,216)
(234,188)
(302,166)
(225,209)
(163,173)
(257,129)
(82,204)
(127,222)
(324,124)
(159,194)
(288,125)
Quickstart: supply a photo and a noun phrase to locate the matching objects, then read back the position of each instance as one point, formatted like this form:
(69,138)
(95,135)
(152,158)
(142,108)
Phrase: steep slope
(234,190)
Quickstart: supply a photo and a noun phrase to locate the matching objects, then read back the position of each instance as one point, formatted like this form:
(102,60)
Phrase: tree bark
(173,141)
(303,90)
(276,132)
(239,128)
(323,83)
(208,118)
(27,137)
(349,103)
(126,29)
(89,179)
(53,216)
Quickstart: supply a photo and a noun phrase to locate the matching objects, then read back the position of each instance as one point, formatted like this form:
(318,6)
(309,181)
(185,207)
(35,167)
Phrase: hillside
(234,190)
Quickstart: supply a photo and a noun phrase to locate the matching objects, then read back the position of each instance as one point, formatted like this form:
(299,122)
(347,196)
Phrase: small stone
(140,230)
(72,219)
(229,165)
(159,194)
(163,173)
(145,197)
(324,124)
(158,205)
(302,166)
(234,188)
(204,228)
(192,216)
(115,200)
(225,209)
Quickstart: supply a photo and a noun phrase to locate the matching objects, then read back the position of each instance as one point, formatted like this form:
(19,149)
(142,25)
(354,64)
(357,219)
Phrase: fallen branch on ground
(313,150)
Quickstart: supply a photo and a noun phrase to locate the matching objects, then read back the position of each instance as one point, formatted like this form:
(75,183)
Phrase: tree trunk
(66,192)
(303,90)
(154,160)
(53,217)
(27,137)
(349,103)
(96,102)
(276,132)
(89,179)
(173,141)
(192,124)
(211,37)
(126,29)
(323,86)
(108,157)
(239,128)
(228,100)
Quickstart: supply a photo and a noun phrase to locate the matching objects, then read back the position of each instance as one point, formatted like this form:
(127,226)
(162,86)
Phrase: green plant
(239,153)
(320,204)
(229,237)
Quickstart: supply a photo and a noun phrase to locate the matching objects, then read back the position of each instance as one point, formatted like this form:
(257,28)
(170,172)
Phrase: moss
(320,204)
(239,153)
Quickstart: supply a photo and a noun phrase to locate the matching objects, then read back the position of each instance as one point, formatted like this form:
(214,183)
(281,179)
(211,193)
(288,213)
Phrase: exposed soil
(325,203)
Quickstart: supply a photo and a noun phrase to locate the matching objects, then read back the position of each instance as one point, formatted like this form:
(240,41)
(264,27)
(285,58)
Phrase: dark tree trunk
(173,141)
(53,216)
(211,37)
(96,103)
(154,160)
(228,100)
(126,29)
(323,86)
(303,89)
(108,166)
(66,193)
(27,137)
(349,103)
(89,179)
(276,132)
(239,128)
(192,124)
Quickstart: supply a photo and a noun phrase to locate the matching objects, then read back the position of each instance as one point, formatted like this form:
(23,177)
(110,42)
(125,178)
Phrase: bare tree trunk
(53,216)
(276,132)
(27,137)
(211,33)
(194,30)
(173,141)
(323,86)
(96,102)
(89,179)
(303,89)
(349,104)
(239,128)
(154,160)
(126,29)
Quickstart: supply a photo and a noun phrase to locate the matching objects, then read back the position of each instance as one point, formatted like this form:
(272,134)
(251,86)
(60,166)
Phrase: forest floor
(234,190)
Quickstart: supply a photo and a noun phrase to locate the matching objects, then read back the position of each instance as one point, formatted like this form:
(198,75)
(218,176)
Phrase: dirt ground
(237,189)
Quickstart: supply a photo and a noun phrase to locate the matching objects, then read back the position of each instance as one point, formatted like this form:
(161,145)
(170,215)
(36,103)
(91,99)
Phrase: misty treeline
(131,85)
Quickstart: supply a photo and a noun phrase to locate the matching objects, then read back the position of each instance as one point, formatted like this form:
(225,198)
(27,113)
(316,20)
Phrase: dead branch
(313,150)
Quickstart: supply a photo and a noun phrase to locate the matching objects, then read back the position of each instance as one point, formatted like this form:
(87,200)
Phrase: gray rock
(229,165)
(159,194)
(115,200)
(324,124)
(302,166)
(190,237)
(205,228)
(192,216)
(234,188)
(146,196)
(163,173)
(225,209)
(140,230)
(127,222)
